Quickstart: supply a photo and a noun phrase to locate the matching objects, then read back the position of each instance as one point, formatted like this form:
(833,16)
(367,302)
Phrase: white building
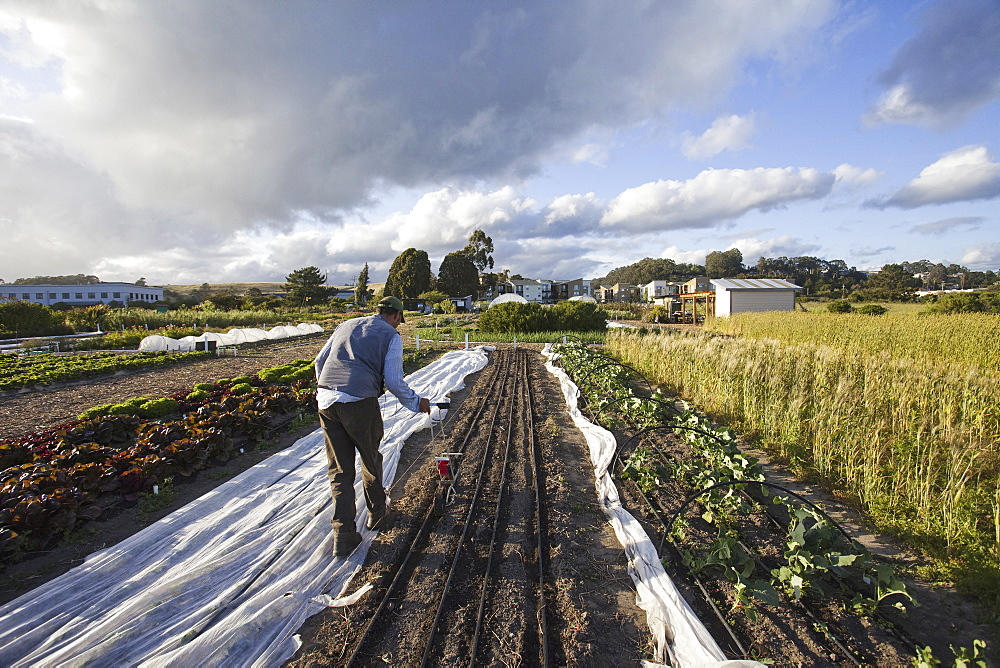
(656,289)
(740,295)
(531,290)
(81,295)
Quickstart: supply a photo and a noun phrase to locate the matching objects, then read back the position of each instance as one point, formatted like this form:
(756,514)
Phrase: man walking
(362,358)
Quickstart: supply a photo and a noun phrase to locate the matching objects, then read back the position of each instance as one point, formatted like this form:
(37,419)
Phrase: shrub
(577,317)
(240,379)
(512,317)
(204,387)
(871,309)
(241,388)
(157,408)
(657,314)
(967,302)
(839,306)
(198,395)
(25,319)
(95,411)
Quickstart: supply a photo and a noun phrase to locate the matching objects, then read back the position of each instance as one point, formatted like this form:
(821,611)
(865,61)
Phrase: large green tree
(409,275)
(458,276)
(306,285)
(480,250)
(892,283)
(652,269)
(76,279)
(719,264)
(23,319)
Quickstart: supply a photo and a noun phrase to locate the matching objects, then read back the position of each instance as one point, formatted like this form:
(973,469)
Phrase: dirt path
(592,616)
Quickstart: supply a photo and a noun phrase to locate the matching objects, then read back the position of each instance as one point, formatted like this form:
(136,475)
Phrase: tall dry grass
(965,339)
(916,442)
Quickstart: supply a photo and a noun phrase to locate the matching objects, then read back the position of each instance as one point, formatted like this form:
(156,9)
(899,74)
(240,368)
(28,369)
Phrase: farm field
(897,412)
(589,564)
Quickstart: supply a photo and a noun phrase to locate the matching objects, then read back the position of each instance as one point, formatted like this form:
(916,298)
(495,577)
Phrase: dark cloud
(948,69)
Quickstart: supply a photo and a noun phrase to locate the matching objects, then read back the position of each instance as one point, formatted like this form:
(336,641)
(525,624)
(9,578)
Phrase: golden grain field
(903,414)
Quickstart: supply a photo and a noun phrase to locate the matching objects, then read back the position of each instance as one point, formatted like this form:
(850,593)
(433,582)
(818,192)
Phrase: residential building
(81,295)
(656,289)
(697,284)
(563,290)
(528,288)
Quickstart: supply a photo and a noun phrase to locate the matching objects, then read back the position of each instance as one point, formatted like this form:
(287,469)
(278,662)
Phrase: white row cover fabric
(225,580)
(235,337)
(680,636)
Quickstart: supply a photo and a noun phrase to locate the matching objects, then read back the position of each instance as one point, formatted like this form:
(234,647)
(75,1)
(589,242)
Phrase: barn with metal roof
(751,295)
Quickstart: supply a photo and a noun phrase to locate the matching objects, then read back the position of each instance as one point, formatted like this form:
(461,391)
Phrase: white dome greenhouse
(234,338)
(508,297)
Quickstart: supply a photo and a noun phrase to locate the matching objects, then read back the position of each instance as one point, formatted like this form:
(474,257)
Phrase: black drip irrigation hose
(691,499)
(621,448)
(596,416)
(424,527)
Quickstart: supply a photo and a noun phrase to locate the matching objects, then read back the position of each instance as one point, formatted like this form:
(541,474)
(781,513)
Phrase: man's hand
(425,405)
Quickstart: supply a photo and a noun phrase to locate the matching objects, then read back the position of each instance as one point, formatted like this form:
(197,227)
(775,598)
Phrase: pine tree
(361,294)
(305,285)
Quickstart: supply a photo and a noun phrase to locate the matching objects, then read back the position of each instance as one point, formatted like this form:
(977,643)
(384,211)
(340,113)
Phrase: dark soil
(592,611)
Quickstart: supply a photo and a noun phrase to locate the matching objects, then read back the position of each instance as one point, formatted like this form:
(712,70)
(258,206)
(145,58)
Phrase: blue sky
(238,140)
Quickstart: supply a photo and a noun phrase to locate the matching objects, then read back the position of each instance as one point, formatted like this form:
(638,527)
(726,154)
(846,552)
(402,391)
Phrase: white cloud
(965,174)
(948,225)
(898,105)
(593,153)
(856,176)
(728,133)
(677,254)
(713,196)
(783,246)
(983,257)
(442,221)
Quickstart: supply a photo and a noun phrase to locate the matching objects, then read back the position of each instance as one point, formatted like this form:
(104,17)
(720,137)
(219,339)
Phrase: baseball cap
(393,303)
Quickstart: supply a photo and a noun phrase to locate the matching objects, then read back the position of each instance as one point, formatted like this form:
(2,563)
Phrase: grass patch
(150,503)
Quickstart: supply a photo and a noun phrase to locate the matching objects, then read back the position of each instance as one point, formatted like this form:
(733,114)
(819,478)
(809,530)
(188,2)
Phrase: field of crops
(861,402)
(24,371)
(966,340)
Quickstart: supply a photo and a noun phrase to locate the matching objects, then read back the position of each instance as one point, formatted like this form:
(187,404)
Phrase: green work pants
(350,427)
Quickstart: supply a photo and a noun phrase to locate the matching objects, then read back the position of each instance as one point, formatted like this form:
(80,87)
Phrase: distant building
(81,295)
(697,284)
(658,289)
(619,292)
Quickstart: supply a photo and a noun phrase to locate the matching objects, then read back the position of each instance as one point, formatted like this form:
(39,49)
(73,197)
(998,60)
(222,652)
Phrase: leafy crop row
(52,480)
(25,371)
(816,555)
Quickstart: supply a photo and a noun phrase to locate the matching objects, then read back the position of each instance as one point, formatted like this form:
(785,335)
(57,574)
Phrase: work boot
(378,521)
(346,542)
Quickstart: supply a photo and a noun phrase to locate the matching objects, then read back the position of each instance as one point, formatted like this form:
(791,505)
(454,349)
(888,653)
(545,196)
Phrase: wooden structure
(695,306)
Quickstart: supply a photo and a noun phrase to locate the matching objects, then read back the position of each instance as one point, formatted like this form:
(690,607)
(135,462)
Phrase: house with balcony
(655,290)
